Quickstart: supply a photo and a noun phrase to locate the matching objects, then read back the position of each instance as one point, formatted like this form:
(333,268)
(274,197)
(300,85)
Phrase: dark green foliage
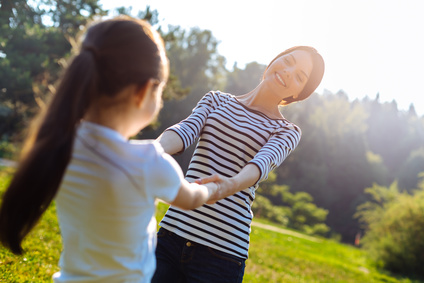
(8,150)
(297,211)
(408,173)
(194,58)
(71,16)
(263,208)
(395,229)
(33,53)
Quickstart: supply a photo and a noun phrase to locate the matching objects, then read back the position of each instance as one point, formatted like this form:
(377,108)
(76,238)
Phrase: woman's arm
(171,142)
(247,177)
(270,156)
(192,195)
(183,134)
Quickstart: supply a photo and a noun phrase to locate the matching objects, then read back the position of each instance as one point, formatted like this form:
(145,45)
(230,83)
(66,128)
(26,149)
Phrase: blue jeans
(181,260)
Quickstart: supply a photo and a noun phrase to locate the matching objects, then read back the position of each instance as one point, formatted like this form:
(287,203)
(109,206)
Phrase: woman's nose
(287,73)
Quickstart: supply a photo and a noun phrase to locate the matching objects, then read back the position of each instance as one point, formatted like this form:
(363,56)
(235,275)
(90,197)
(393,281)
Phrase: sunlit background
(357,176)
(370,46)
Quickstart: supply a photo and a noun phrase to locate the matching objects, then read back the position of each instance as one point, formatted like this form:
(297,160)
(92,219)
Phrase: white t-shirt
(106,206)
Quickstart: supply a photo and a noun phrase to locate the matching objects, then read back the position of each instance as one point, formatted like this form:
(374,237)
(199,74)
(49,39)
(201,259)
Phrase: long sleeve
(275,151)
(191,128)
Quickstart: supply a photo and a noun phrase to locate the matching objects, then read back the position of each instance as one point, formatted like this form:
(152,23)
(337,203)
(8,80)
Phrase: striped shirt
(231,135)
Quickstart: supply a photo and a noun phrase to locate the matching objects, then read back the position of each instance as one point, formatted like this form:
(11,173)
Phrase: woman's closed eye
(288,61)
(299,78)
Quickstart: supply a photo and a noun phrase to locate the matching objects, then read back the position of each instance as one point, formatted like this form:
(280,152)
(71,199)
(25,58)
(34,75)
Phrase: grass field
(273,257)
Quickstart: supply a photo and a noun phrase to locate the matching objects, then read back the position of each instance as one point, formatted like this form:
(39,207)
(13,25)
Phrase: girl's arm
(192,195)
(246,178)
(171,142)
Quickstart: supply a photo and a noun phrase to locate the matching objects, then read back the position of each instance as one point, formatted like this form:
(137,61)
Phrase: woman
(241,139)
(105,186)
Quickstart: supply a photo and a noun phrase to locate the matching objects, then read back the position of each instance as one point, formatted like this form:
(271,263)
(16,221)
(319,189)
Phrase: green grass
(43,247)
(273,256)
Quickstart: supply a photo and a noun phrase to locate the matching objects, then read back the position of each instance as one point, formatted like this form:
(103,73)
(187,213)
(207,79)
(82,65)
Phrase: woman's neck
(261,100)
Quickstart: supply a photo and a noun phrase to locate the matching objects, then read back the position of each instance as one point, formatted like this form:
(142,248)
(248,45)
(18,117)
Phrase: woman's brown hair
(114,54)
(315,77)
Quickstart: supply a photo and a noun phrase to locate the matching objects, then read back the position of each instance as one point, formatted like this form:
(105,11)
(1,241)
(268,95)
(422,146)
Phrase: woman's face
(289,74)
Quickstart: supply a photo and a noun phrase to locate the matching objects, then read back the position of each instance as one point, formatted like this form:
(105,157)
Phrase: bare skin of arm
(171,142)
(190,195)
(247,177)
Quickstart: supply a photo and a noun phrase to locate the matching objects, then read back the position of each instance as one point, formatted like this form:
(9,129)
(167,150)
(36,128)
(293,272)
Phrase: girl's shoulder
(146,148)
(150,153)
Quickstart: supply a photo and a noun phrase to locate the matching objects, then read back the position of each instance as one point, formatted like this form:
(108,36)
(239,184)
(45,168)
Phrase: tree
(18,42)
(71,16)
(394,224)
(330,162)
(388,133)
(408,173)
(195,61)
(33,54)
(241,81)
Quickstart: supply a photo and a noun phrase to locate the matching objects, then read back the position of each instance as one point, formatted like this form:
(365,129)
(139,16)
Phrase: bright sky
(369,46)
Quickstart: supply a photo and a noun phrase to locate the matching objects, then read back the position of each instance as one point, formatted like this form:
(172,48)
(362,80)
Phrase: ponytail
(47,153)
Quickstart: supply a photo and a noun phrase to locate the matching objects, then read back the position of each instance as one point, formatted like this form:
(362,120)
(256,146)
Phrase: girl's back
(107,200)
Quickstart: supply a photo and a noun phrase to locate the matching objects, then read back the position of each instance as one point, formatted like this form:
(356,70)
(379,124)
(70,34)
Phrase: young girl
(105,185)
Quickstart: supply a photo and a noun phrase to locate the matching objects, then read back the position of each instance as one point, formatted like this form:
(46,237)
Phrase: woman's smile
(289,74)
(280,79)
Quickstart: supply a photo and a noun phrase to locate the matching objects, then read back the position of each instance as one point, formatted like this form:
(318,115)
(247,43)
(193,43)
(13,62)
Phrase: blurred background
(362,147)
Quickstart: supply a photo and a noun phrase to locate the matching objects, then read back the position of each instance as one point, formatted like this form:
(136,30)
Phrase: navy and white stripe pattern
(230,136)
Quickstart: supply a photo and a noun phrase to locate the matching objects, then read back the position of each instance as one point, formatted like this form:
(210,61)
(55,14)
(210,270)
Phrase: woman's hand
(226,187)
(247,177)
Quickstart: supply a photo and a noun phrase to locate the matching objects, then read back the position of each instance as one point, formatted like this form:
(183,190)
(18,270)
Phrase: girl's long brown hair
(114,54)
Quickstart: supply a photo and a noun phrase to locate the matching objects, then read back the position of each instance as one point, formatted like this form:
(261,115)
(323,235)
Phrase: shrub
(263,208)
(276,203)
(395,231)
(7,150)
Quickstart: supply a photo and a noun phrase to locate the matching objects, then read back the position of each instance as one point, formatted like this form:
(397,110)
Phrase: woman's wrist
(212,189)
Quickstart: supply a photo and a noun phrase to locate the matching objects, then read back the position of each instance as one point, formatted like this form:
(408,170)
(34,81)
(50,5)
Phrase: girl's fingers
(212,178)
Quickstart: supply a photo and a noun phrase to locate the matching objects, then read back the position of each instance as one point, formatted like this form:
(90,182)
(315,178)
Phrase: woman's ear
(144,93)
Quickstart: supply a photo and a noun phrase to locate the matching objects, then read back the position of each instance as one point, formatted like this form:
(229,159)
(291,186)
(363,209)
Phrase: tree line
(346,146)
